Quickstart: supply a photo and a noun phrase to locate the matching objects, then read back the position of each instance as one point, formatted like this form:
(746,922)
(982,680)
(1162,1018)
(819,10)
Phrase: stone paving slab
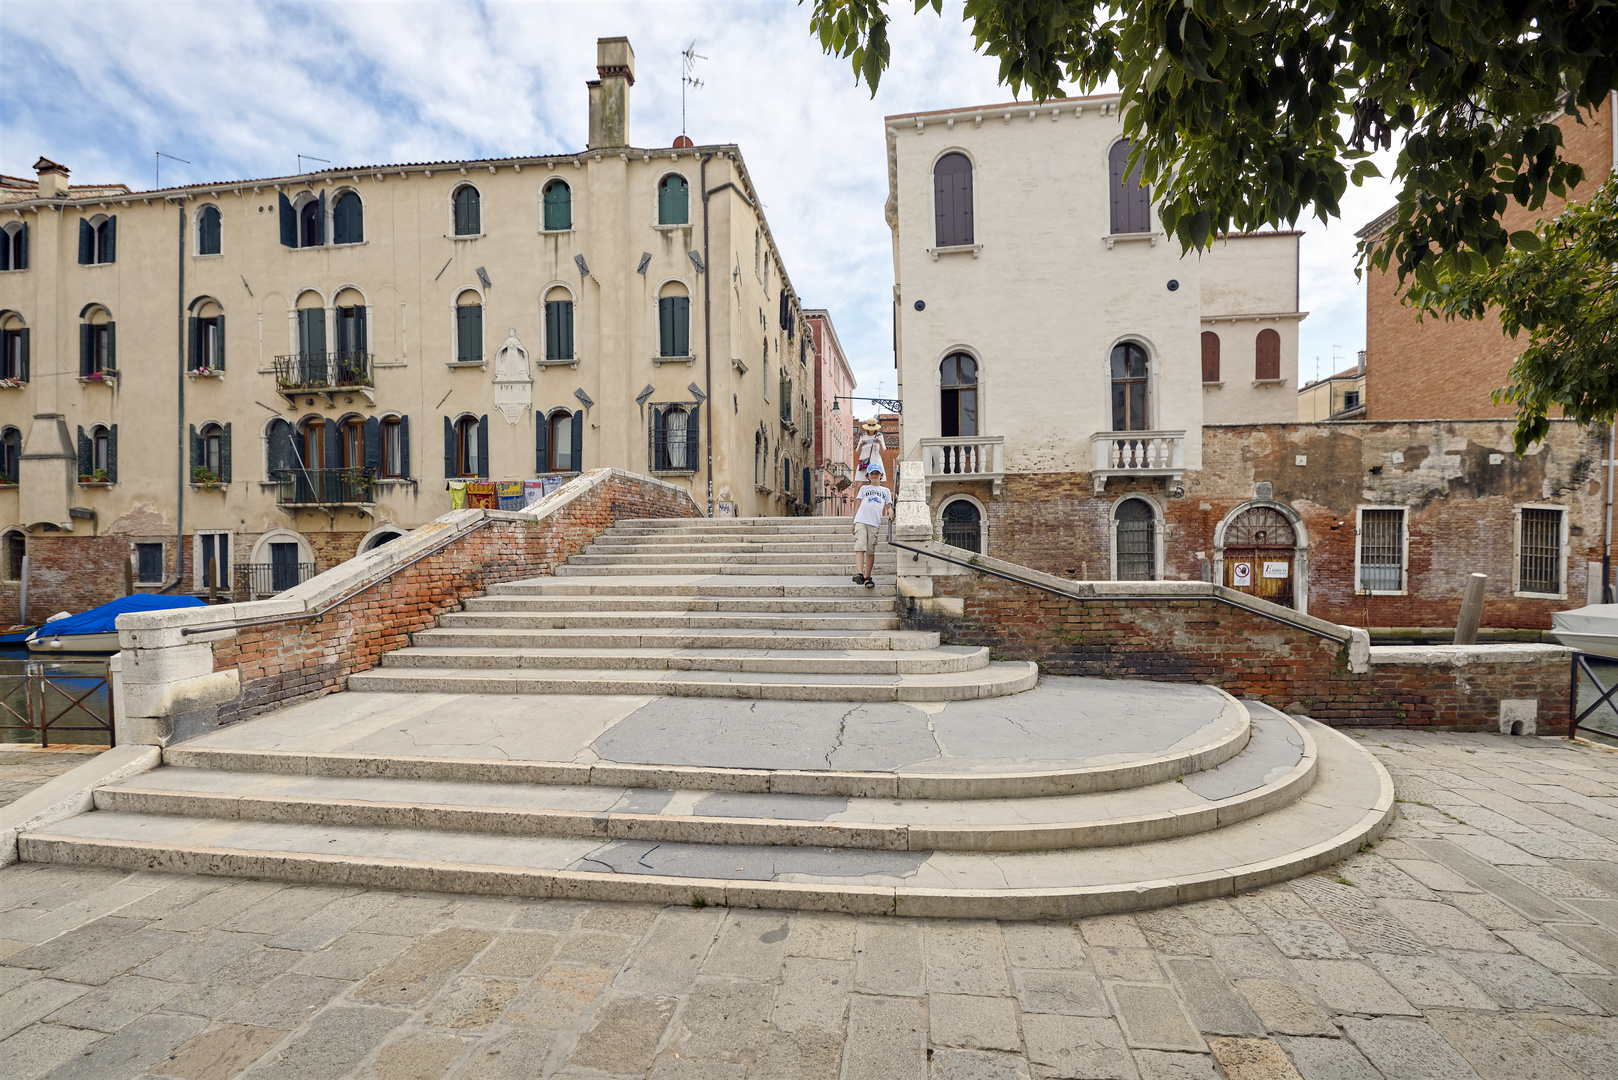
(24,768)
(1500,972)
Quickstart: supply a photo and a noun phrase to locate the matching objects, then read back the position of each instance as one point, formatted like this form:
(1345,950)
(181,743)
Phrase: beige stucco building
(1046,323)
(282,371)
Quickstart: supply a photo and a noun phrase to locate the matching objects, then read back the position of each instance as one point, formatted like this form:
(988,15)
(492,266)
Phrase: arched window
(559,325)
(469,328)
(13,347)
(673,201)
(958,396)
(394,449)
(212,449)
(558,206)
(468,211)
(963,525)
(14,246)
(1267,355)
(561,438)
(208,231)
(311,227)
(1135,540)
(351,361)
(16,548)
(1129,388)
(101,451)
(674,439)
(352,430)
(760,458)
(1131,202)
(309,365)
(1210,356)
(470,447)
(98,239)
(674,321)
(207,336)
(952,200)
(10,455)
(312,442)
(348,219)
(98,343)
(382,536)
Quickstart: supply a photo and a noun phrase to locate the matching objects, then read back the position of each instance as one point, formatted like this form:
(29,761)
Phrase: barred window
(1136,541)
(1539,559)
(1382,560)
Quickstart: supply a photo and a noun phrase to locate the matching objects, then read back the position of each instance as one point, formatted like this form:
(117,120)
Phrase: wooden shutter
(112,346)
(196,448)
(334,446)
(22,248)
(24,333)
(362,337)
(111,252)
(1131,203)
(289,223)
(86,458)
(541,457)
(659,441)
(320,224)
(578,442)
(483,447)
(682,326)
(404,447)
(450,470)
(665,326)
(693,422)
(219,324)
(224,453)
(1267,355)
(553,331)
(565,321)
(87,243)
(85,359)
(373,445)
(1210,356)
(193,356)
(469,333)
(112,453)
(281,454)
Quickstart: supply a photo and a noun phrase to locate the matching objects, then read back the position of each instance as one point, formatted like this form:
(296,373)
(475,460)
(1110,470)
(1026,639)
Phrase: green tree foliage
(1250,113)
(1561,289)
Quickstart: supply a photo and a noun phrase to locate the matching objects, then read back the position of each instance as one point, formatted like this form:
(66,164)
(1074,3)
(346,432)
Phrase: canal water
(65,678)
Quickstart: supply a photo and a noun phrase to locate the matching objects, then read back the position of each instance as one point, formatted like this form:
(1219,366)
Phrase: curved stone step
(885,564)
(784,605)
(575,620)
(822,561)
(693,546)
(1275,767)
(678,638)
(816,586)
(789,661)
(992,680)
(1349,803)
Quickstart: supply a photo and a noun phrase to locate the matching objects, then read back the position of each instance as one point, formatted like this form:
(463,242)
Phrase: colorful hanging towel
(533,491)
(482,496)
(510,494)
(457,495)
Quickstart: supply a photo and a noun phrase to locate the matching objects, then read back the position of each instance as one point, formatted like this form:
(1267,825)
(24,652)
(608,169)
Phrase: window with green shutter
(673,201)
(468,212)
(558,206)
(674,326)
(208,231)
(558,329)
(469,329)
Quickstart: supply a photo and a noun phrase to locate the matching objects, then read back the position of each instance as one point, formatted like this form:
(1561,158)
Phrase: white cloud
(239,89)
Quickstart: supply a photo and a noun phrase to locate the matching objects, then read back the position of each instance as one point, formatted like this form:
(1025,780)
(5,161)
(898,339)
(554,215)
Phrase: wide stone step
(1349,802)
(693,546)
(739,525)
(707,584)
(787,661)
(575,620)
(635,602)
(993,680)
(678,638)
(1277,766)
(884,566)
(828,560)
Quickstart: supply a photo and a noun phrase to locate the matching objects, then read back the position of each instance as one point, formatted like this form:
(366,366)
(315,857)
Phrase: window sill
(1212,385)
(12,384)
(219,485)
(467,364)
(1540,595)
(207,375)
(213,255)
(661,360)
(542,364)
(955,249)
(555,232)
(95,264)
(464,236)
(1269,382)
(95,483)
(1381,592)
(15,270)
(1127,238)
(672,225)
(674,472)
(105,380)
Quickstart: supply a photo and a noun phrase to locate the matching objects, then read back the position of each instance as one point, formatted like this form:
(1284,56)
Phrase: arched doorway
(1260,555)
(962,525)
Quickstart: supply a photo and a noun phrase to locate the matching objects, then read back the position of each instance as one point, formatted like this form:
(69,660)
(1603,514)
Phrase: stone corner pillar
(912,520)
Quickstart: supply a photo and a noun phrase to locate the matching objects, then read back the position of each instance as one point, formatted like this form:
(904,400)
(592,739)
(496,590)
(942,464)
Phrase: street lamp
(891,404)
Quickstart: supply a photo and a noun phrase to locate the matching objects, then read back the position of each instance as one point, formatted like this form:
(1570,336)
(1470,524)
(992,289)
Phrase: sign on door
(1242,575)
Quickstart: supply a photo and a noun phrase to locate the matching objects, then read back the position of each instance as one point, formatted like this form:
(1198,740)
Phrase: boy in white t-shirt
(875,503)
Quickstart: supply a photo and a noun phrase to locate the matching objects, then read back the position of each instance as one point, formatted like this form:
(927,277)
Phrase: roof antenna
(307,157)
(157,167)
(688,67)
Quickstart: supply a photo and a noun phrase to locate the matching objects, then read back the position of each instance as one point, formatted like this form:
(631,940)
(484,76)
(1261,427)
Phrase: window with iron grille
(1539,551)
(1136,540)
(1382,550)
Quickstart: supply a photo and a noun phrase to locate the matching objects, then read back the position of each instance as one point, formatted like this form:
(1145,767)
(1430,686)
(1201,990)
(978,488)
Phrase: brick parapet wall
(1206,640)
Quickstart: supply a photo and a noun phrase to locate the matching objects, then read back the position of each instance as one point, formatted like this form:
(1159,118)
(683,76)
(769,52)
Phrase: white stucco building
(1048,327)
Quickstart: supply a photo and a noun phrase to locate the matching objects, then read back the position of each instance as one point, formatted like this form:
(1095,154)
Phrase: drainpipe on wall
(179,398)
(707,326)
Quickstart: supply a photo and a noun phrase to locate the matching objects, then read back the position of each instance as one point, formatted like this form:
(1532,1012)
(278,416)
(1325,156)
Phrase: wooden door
(1262,572)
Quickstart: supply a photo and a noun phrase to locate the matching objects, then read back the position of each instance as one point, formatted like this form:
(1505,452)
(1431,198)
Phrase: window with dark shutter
(107,240)
(1130,201)
(208,231)
(558,329)
(10,455)
(1267,355)
(674,326)
(576,437)
(468,212)
(952,200)
(1210,356)
(673,202)
(558,207)
(348,219)
(469,330)
(289,223)
(390,448)
(310,231)
(149,563)
(87,242)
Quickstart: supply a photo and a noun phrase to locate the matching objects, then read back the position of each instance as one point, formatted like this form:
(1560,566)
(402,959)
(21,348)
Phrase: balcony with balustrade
(964,457)
(1137,454)
(326,373)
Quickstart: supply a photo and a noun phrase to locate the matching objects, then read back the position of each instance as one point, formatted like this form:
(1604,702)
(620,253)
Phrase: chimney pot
(609,94)
(52,178)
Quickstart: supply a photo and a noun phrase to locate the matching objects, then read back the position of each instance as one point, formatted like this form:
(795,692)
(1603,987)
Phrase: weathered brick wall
(1460,501)
(74,573)
(1422,370)
(1204,640)
(287,662)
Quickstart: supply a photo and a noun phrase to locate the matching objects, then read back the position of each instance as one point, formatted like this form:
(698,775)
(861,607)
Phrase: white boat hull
(73,643)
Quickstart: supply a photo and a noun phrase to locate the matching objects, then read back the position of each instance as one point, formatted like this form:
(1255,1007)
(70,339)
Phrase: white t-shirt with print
(874,498)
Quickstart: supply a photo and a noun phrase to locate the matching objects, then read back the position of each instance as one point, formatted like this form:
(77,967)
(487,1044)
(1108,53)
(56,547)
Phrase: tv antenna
(688,67)
(308,157)
(157,166)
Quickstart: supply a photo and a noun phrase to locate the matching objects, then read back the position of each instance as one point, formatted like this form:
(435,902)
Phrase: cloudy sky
(239,88)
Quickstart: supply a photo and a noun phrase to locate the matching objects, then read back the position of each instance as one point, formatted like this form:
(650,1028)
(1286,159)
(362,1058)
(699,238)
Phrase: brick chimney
(609,94)
(52,179)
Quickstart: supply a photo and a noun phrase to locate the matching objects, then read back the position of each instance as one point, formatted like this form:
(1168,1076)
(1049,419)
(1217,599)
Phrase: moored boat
(96,630)
(1592,629)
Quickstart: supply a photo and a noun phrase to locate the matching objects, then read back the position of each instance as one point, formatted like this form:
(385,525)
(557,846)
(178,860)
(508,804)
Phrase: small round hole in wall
(1174,284)
(921,305)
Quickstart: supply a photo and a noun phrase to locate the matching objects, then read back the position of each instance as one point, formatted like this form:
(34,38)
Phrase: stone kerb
(171,685)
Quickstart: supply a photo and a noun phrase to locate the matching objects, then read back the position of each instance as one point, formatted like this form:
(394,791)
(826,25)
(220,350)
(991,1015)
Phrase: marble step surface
(719,637)
(840,622)
(422,657)
(776,566)
(795,605)
(753,586)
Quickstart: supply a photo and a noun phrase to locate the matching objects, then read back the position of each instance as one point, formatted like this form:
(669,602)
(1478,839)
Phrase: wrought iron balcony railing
(301,373)
(267,579)
(324,487)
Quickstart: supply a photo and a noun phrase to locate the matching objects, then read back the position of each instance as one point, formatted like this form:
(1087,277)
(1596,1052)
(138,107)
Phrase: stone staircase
(571,736)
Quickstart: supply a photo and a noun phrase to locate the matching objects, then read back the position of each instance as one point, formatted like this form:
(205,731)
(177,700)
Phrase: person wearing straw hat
(875,503)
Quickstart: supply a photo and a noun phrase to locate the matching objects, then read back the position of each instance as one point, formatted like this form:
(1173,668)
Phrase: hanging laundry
(511,497)
(482,496)
(457,494)
(533,491)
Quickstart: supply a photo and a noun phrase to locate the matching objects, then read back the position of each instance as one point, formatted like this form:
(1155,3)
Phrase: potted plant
(97,477)
(203,476)
(208,373)
(11,384)
(99,376)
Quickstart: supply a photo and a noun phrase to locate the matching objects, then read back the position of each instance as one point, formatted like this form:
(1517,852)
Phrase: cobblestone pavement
(1478,939)
(23,770)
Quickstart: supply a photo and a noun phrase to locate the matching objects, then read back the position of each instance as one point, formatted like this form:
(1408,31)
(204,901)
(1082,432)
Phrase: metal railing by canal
(1592,705)
(56,700)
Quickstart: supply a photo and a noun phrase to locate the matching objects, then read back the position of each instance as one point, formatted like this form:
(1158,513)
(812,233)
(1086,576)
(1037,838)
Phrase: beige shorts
(864,539)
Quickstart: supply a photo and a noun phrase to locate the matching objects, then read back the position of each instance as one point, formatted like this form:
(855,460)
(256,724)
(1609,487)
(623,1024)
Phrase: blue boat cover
(103,619)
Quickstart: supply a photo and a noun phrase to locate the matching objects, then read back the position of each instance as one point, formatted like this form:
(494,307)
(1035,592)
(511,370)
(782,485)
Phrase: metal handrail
(1110,596)
(187,631)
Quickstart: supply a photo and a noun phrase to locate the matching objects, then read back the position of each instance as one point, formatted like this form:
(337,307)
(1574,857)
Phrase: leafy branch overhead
(1254,113)
(1563,294)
